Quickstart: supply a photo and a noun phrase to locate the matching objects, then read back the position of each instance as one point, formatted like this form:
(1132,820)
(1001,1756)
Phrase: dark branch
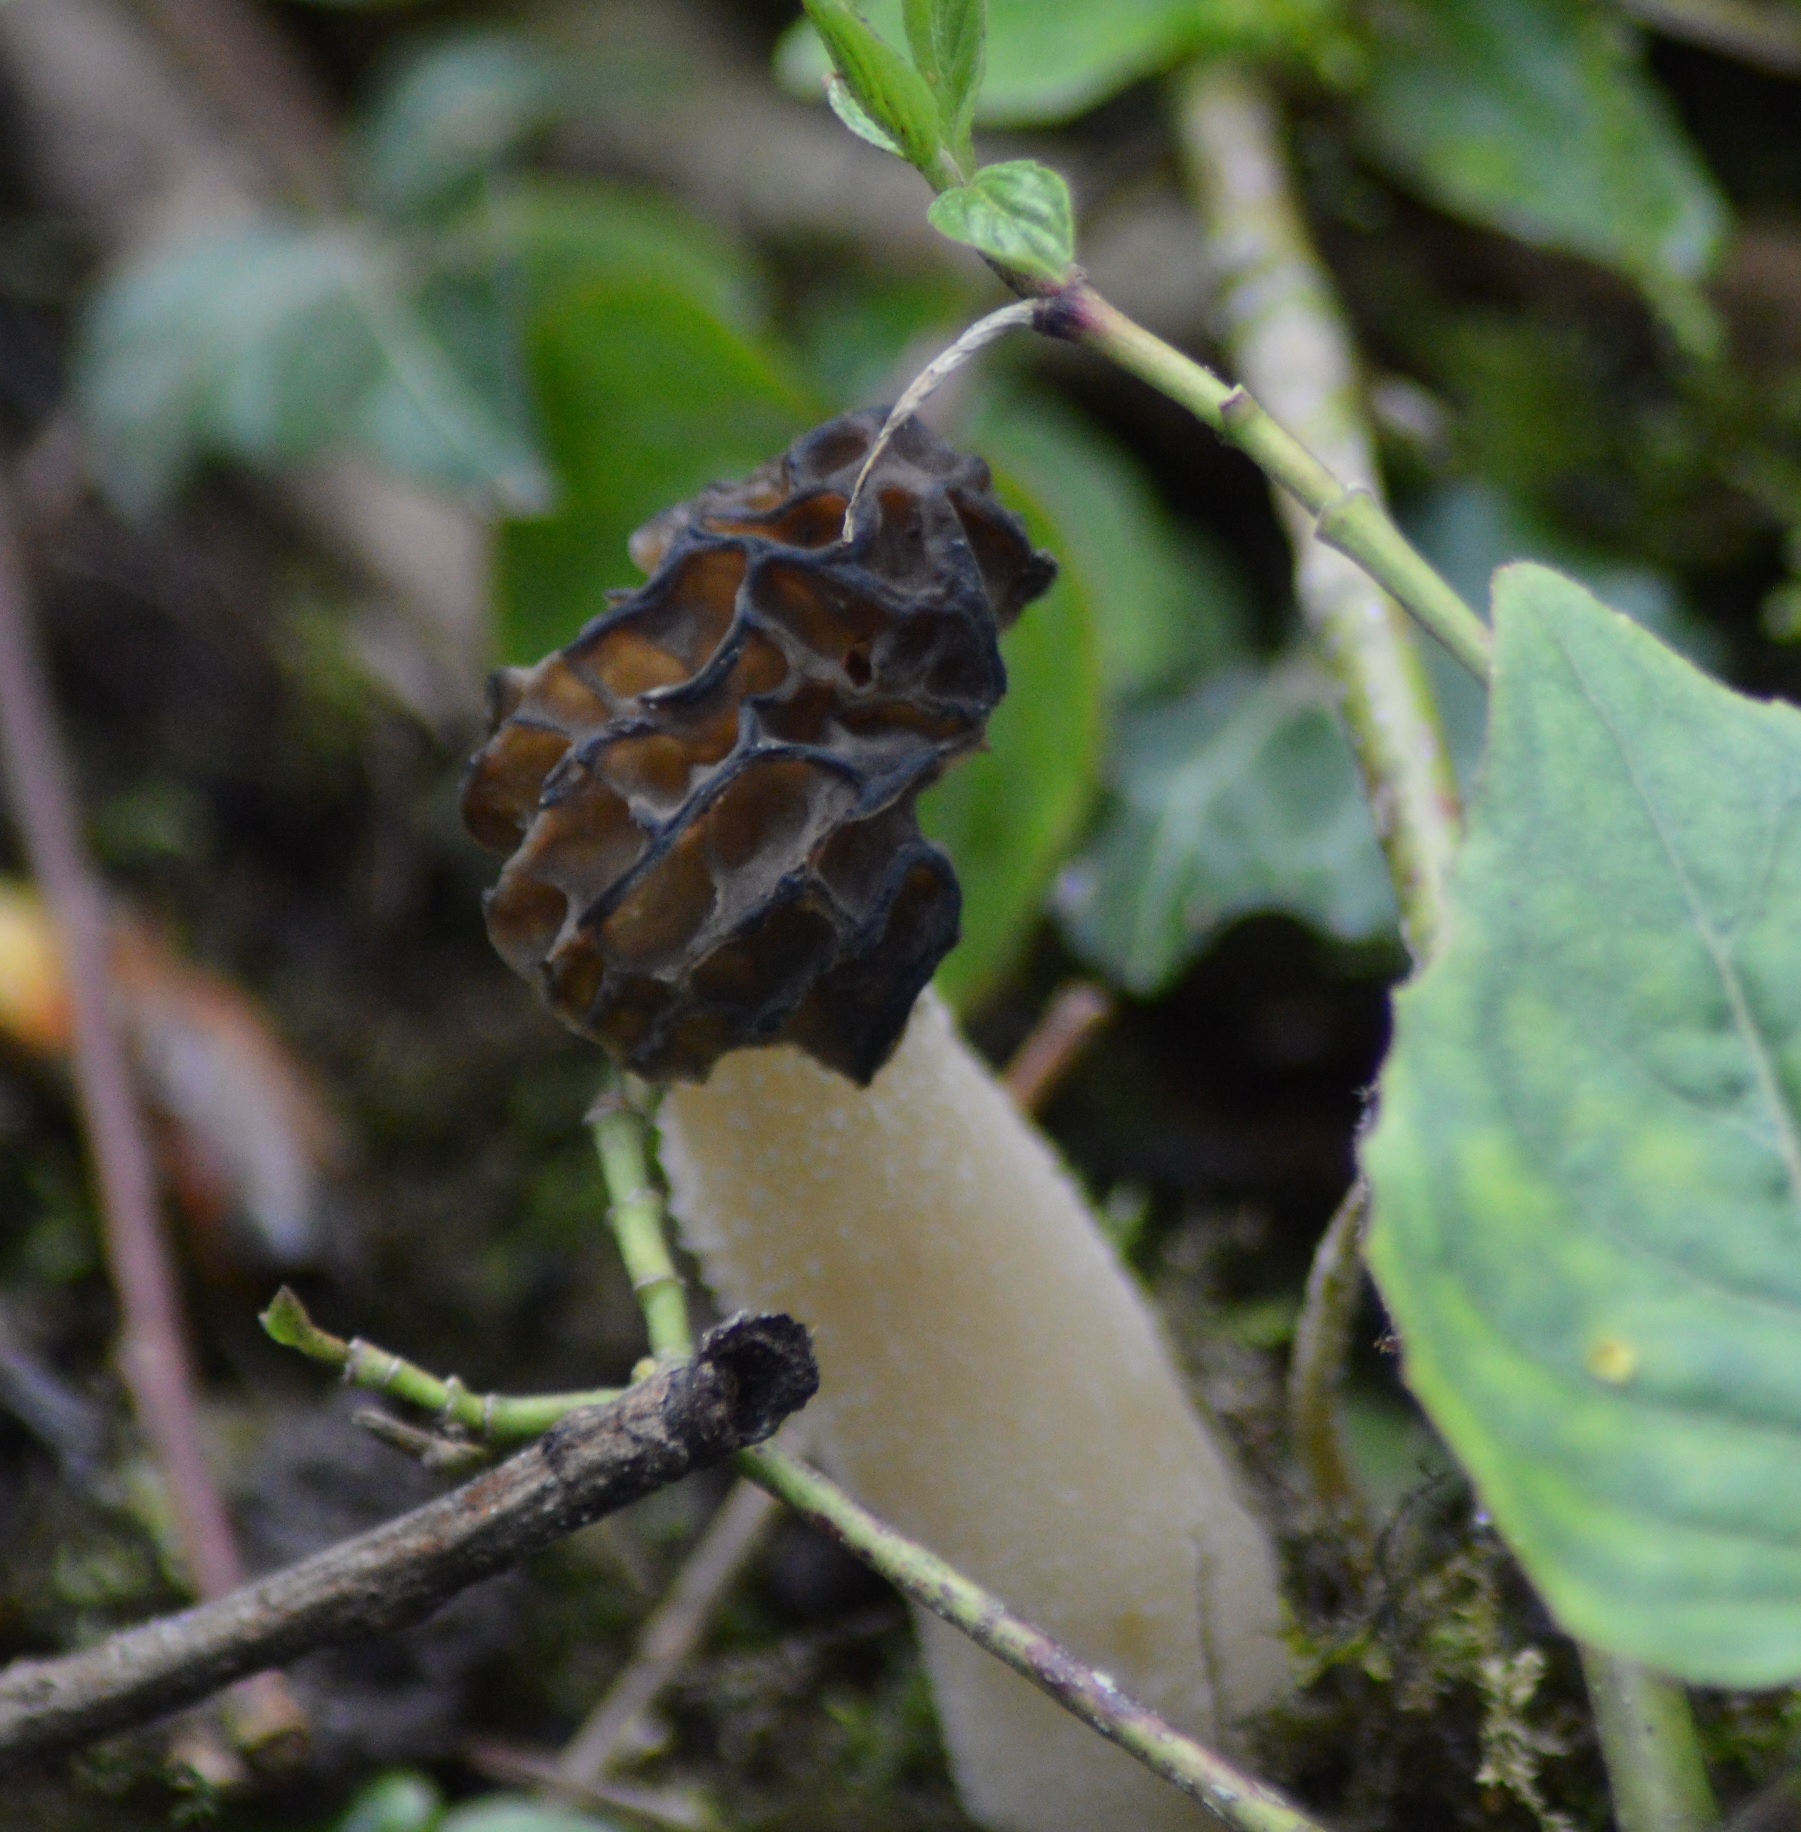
(749,1374)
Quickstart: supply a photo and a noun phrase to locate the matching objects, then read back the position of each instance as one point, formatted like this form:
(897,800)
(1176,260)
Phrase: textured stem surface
(1316,1370)
(1289,343)
(1654,1767)
(994,1387)
(1238,1799)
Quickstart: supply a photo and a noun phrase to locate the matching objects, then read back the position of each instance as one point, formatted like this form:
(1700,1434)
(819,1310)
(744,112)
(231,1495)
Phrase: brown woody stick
(153,1345)
(749,1374)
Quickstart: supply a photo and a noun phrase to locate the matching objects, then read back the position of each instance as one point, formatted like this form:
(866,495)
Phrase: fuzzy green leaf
(1535,117)
(883,84)
(1587,1168)
(1240,797)
(274,344)
(452,114)
(1017,213)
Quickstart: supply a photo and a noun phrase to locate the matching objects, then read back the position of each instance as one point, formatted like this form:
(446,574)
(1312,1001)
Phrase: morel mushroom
(709,795)
(710,798)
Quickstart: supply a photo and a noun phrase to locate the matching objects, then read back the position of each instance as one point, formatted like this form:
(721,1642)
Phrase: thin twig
(1076,1015)
(670,1636)
(1655,1771)
(746,1377)
(153,1345)
(940,369)
(1239,1799)
(1289,342)
(1768,36)
(492,1418)
(1316,1370)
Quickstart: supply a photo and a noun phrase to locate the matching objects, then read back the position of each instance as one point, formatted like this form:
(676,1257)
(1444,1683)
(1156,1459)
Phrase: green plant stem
(1286,335)
(1349,519)
(1654,1766)
(1287,338)
(1316,1369)
(1237,1798)
(493,1417)
(636,1217)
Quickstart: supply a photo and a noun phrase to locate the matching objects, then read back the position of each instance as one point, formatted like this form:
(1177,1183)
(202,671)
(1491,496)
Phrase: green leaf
(1240,797)
(1009,815)
(1587,1168)
(1536,117)
(274,344)
(557,233)
(946,38)
(1168,601)
(452,114)
(645,395)
(883,84)
(1017,213)
(916,19)
(960,29)
(844,105)
(1051,60)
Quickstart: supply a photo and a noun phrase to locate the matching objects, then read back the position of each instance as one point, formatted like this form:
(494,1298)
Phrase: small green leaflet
(894,96)
(1587,1166)
(1051,60)
(1017,213)
(845,106)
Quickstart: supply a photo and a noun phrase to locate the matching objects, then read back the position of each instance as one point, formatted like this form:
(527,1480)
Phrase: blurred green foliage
(581,357)
(1535,117)
(1051,60)
(403,1801)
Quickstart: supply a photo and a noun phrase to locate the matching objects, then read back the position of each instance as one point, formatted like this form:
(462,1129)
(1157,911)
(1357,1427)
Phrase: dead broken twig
(749,1374)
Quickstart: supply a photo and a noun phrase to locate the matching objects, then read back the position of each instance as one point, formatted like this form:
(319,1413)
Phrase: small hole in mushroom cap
(857,667)
(819,612)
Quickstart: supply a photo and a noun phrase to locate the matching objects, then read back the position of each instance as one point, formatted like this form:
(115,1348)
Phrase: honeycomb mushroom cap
(708,796)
